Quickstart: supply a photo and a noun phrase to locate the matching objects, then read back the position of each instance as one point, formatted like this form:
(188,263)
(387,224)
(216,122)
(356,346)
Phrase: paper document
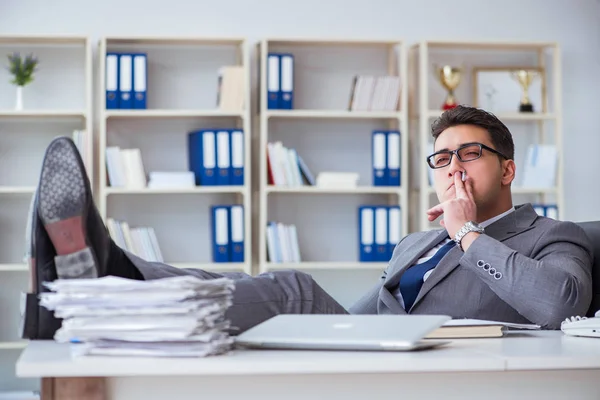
(181,316)
(479,322)
(183,349)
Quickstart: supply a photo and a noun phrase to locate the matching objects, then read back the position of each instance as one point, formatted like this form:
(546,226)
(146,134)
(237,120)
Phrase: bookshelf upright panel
(182,89)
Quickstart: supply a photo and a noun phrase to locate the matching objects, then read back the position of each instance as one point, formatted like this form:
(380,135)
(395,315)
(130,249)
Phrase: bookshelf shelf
(508,116)
(13,345)
(533,190)
(43,40)
(327,265)
(43,114)
(331,42)
(182,89)
(165,113)
(318,190)
(540,127)
(329,135)
(332,114)
(219,267)
(17,189)
(167,191)
(170,41)
(486,45)
(14,267)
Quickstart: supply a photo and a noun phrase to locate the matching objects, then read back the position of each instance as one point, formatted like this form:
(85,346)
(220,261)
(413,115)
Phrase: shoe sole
(63,197)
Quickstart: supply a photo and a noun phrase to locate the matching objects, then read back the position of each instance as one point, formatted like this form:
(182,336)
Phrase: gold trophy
(525,77)
(449,77)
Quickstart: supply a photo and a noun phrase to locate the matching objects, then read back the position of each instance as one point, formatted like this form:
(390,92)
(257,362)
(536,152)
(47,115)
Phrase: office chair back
(592,229)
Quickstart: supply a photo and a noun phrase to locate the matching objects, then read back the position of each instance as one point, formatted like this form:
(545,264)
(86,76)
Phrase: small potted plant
(22,70)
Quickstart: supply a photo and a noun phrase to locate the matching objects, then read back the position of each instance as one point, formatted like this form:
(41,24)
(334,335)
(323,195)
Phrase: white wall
(573,23)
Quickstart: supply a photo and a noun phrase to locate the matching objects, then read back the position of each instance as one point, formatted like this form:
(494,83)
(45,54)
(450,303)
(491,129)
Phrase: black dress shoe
(64,221)
(38,322)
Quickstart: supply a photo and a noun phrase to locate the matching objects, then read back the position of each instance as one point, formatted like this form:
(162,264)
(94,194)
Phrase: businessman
(490,259)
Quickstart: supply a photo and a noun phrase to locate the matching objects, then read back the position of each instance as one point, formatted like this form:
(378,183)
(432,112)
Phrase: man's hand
(457,211)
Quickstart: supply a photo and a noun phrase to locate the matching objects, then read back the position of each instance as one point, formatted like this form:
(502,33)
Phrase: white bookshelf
(544,125)
(57,102)
(329,137)
(182,77)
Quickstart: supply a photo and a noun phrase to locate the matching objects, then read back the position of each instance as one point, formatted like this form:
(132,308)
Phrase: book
(476,328)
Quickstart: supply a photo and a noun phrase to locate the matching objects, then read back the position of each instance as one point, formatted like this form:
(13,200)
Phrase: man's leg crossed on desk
(69,240)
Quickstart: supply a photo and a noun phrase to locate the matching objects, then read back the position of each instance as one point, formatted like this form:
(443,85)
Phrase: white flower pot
(19,100)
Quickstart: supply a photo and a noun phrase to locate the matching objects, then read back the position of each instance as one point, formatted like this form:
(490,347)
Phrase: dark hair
(462,115)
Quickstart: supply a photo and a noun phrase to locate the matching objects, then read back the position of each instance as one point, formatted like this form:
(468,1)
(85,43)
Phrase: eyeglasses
(465,153)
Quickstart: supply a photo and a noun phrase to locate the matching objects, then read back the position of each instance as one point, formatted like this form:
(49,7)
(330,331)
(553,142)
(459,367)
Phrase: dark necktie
(412,279)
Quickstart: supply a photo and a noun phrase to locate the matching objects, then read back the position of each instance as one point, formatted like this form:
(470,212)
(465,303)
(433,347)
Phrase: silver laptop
(343,332)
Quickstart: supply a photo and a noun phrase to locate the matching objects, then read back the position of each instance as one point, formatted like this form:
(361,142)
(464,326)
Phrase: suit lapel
(411,256)
(513,224)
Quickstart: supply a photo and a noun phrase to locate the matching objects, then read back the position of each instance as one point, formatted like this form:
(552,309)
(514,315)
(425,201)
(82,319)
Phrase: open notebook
(476,328)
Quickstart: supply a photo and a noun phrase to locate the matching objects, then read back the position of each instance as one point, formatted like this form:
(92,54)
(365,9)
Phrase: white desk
(538,365)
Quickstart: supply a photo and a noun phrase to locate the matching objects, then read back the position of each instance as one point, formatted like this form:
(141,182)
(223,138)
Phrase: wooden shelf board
(487,45)
(331,42)
(327,265)
(233,267)
(17,189)
(14,267)
(165,113)
(41,39)
(46,114)
(318,190)
(173,40)
(333,114)
(194,190)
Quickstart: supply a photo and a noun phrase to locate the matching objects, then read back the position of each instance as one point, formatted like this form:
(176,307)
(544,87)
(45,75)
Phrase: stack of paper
(176,316)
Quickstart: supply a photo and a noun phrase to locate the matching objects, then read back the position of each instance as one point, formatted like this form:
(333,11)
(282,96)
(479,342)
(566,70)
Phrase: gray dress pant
(255,298)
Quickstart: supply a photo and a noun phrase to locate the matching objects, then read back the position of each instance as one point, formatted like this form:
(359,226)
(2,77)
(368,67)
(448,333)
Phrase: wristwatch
(470,226)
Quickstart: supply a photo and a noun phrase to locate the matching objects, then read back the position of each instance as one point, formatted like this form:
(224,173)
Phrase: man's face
(487,173)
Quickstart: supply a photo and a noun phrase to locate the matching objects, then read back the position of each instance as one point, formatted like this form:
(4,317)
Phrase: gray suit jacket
(523,269)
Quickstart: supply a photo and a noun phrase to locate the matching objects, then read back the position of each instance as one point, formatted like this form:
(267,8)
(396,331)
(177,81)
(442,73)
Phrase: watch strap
(466,228)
